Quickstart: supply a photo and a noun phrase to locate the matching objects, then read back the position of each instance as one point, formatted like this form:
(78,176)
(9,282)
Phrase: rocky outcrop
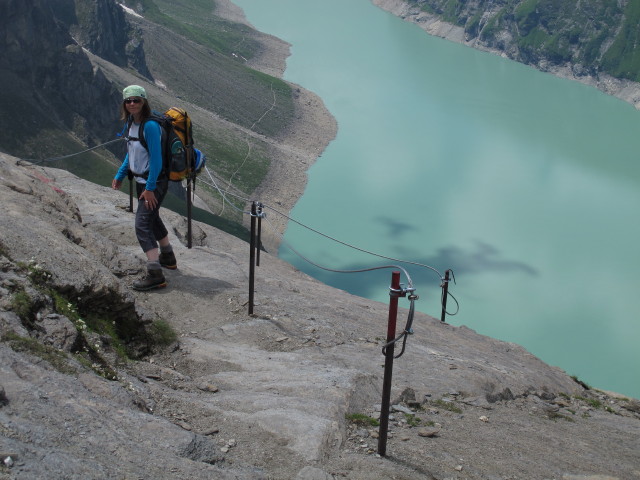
(101,27)
(94,385)
(47,78)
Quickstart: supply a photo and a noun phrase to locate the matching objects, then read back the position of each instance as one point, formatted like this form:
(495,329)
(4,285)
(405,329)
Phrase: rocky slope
(593,42)
(94,385)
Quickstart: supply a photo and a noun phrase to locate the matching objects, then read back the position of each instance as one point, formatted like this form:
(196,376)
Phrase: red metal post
(394,293)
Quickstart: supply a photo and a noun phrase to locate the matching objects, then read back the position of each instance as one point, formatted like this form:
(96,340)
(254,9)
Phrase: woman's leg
(146,226)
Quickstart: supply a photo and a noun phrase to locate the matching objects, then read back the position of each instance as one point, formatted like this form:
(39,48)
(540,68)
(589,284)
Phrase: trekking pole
(130,176)
(394,292)
(252,255)
(445,293)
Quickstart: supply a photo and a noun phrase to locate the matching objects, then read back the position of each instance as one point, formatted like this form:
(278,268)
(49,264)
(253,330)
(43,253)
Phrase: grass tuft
(362,419)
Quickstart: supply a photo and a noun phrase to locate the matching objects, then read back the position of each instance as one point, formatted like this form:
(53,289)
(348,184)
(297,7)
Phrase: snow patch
(130,11)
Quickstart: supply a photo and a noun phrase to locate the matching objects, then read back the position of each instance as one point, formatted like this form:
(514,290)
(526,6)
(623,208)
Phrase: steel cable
(53,159)
(353,246)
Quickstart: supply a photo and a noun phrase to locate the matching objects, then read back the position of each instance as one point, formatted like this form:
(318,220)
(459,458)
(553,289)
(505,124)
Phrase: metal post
(252,256)
(445,294)
(258,239)
(394,293)
(189,233)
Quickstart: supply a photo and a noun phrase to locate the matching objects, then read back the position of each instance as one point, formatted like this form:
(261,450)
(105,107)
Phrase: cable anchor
(259,211)
(402,292)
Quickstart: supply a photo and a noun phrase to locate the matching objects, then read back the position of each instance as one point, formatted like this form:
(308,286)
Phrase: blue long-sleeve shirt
(140,160)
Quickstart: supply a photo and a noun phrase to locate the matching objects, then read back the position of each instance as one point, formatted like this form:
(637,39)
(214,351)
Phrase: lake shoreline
(312,130)
(624,90)
(315,127)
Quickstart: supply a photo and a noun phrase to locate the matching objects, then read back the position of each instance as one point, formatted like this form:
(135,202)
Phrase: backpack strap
(163,122)
(140,138)
(160,119)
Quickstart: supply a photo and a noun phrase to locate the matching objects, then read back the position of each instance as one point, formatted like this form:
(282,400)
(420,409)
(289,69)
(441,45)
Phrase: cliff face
(100,27)
(593,35)
(48,82)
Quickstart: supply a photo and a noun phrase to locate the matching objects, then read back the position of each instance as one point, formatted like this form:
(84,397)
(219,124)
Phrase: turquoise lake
(527,186)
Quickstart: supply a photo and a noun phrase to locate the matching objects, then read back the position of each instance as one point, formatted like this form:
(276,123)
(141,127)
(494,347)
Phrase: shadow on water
(482,258)
(396,228)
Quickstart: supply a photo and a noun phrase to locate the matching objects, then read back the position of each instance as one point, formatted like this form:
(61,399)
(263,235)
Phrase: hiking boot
(153,279)
(168,260)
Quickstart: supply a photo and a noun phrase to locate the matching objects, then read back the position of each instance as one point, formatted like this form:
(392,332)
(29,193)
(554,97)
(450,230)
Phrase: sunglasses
(133,100)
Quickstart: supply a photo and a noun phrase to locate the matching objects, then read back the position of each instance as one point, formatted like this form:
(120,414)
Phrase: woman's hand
(116,184)
(149,199)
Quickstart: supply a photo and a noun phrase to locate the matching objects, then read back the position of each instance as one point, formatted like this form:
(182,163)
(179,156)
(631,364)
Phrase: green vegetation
(362,419)
(493,26)
(526,15)
(622,59)
(22,305)
(231,226)
(451,11)
(425,7)
(162,333)
(593,402)
(122,334)
(450,406)
(36,272)
(241,95)
(51,355)
(412,420)
(193,19)
(580,382)
(600,35)
(97,335)
(472,27)
(245,163)
(555,416)
(21,302)
(68,309)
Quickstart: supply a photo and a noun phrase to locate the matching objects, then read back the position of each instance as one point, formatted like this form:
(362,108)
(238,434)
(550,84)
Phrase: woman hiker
(151,185)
